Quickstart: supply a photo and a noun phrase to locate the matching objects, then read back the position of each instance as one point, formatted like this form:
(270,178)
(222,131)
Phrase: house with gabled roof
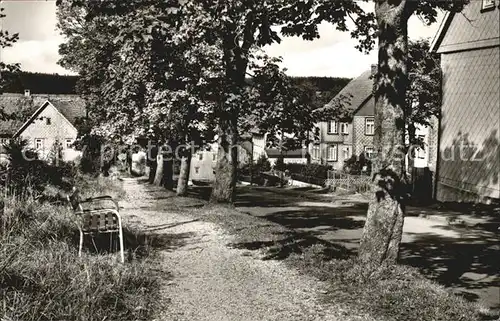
(469,132)
(338,141)
(42,120)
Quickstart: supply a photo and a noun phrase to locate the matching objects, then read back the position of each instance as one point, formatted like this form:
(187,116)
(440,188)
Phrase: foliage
(148,82)
(175,67)
(356,164)
(90,145)
(322,90)
(262,164)
(330,85)
(280,163)
(310,170)
(215,44)
(6,40)
(28,176)
(7,71)
(55,153)
(40,83)
(423,98)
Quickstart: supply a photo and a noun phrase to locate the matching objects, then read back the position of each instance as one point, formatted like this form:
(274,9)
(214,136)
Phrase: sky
(332,55)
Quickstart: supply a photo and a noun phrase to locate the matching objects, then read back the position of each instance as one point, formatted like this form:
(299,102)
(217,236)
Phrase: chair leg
(122,255)
(81,244)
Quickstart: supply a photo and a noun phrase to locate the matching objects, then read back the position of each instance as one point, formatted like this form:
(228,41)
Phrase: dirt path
(214,282)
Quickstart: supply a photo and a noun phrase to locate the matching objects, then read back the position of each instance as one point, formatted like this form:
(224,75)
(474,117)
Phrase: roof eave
(443,27)
(26,123)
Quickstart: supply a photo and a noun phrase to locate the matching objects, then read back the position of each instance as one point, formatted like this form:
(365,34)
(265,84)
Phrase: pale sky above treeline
(332,55)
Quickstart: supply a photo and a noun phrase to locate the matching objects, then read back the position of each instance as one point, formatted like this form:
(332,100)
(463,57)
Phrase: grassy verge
(42,277)
(91,187)
(397,293)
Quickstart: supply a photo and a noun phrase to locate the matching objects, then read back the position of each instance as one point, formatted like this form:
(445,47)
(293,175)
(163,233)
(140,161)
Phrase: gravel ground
(214,282)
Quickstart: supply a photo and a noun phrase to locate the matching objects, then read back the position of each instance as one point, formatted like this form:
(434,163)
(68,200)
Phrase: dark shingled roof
(71,106)
(357,92)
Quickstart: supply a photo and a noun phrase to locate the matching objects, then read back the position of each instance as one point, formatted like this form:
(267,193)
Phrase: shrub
(262,165)
(42,278)
(56,153)
(28,176)
(96,186)
(311,170)
(280,163)
(355,165)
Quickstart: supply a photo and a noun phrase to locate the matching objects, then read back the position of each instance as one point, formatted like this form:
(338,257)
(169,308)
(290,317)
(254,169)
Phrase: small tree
(6,40)
(262,164)
(55,154)
(280,163)
(423,98)
(356,164)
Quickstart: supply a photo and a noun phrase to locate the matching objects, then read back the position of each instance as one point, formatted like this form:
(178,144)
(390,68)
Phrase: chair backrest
(100,221)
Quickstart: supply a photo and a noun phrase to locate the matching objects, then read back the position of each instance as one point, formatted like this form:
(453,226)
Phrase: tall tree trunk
(182,182)
(251,168)
(152,172)
(227,162)
(168,173)
(235,64)
(159,170)
(384,223)
(152,162)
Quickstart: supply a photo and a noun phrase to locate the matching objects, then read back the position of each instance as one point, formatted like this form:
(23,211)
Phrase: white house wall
(59,129)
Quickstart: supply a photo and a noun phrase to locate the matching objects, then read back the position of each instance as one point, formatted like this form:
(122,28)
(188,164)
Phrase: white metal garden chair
(94,220)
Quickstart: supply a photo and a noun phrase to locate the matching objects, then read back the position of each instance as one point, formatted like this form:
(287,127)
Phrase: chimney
(374,70)
(27,93)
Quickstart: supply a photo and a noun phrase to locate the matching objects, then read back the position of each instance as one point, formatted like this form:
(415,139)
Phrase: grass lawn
(42,277)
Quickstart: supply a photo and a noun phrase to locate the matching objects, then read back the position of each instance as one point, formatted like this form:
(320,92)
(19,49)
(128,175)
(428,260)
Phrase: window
(48,121)
(315,152)
(200,155)
(369,126)
(39,144)
(488,4)
(69,143)
(197,170)
(333,127)
(369,152)
(344,128)
(332,153)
